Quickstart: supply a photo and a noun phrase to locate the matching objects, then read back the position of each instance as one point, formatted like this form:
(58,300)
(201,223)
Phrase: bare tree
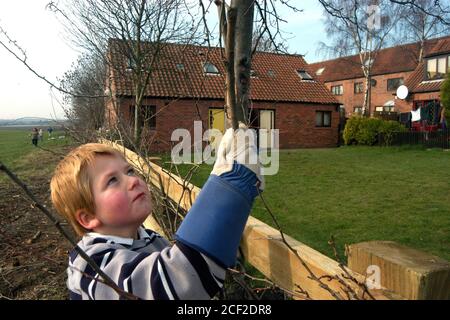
(262,42)
(86,79)
(236,29)
(360,27)
(141,26)
(423,20)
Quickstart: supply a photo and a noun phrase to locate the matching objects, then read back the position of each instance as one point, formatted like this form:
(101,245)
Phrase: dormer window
(304,75)
(210,68)
(320,71)
(437,68)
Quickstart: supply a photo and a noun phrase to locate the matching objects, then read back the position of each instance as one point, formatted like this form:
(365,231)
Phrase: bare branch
(65,234)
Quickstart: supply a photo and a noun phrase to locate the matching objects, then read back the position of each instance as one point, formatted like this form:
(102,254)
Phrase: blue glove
(215,223)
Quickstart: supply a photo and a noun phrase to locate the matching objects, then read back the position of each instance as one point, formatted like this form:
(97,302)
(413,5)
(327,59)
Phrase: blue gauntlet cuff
(244,179)
(215,223)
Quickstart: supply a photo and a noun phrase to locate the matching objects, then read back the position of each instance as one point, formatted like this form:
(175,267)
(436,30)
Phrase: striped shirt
(149,268)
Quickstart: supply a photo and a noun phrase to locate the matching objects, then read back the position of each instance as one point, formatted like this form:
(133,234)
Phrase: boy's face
(122,199)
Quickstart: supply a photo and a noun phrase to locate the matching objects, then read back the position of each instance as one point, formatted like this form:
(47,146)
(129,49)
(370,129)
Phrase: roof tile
(169,81)
(390,60)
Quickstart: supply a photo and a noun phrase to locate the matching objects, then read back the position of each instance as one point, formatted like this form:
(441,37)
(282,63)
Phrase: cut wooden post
(408,272)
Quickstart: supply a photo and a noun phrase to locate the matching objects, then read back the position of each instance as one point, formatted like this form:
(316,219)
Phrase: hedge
(364,131)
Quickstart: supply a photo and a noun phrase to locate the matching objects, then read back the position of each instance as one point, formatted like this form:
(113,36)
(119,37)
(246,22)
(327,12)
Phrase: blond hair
(71,185)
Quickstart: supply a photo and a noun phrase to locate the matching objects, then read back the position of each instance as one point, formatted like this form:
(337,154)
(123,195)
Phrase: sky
(50,53)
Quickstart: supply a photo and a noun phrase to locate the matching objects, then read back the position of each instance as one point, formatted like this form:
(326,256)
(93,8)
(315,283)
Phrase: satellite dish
(402,92)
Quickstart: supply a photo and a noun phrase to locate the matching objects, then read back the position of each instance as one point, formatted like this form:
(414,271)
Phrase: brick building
(392,67)
(187,84)
(425,82)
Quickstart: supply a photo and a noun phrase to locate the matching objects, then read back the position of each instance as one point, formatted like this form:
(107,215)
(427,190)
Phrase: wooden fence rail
(262,246)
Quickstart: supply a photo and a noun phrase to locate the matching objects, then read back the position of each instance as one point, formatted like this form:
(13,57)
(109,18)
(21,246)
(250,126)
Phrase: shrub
(351,129)
(388,128)
(368,131)
(365,131)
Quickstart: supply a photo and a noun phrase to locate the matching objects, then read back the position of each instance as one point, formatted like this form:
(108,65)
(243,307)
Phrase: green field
(359,194)
(354,193)
(16,149)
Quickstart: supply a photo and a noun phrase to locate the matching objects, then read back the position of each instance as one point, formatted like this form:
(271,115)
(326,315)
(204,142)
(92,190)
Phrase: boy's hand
(238,146)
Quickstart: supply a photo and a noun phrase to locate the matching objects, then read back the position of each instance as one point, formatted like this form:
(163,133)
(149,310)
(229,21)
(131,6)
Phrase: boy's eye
(131,172)
(111,181)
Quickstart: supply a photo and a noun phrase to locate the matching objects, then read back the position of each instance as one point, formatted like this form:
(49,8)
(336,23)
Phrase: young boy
(106,202)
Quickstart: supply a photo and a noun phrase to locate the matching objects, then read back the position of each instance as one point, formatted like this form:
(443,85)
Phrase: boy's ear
(87,219)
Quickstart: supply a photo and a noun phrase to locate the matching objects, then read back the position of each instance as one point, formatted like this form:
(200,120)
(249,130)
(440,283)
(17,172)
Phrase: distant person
(41,135)
(34,136)
(49,130)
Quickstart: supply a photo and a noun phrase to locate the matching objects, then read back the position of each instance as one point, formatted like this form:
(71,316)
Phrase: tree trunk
(243,56)
(237,31)
(230,95)
(366,104)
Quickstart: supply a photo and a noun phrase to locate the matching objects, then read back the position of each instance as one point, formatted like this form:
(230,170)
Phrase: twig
(347,274)
(56,223)
(312,276)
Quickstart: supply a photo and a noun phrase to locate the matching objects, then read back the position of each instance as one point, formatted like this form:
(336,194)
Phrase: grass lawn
(16,149)
(359,194)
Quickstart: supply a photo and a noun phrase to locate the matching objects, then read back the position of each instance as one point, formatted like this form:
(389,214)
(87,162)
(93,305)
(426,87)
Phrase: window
(304,75)
(441,66)
(253,73)
(437,68)
(131,64)
(271,73)
(320,71)
(357,110)
(385,108)
(148,116)
(337,90)
(393,84)
(359,87)
(323,118)
(431,69)
(180,66)
(210,68)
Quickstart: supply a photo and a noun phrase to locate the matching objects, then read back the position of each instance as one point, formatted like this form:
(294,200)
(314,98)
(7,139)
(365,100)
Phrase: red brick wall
(297,125)
(296,122)
(380,94)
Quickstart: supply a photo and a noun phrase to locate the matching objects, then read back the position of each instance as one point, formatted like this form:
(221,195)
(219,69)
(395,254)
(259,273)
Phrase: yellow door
(266,124)
(217,119)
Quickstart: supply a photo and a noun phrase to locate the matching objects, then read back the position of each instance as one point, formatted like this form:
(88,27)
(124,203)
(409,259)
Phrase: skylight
(210,68)
(304,75)
(320,71)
